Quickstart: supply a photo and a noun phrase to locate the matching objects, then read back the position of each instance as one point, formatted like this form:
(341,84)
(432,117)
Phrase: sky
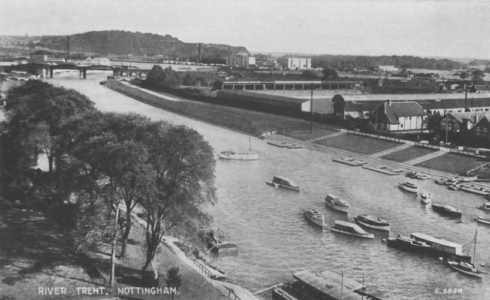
(423,28)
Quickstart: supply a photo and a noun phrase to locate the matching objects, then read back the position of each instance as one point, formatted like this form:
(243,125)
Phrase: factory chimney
(199,58)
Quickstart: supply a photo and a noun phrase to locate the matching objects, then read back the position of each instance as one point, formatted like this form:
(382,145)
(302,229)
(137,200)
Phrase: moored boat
(372,222)
(279,181)
(347,160)
(447,209)
(337,204)
(482,220)
(465,267)
(485,206)
(384,170)
(232,155)
(408,186)
(454,187)
(322,285)
(314,216)
(422,176)
(425,198)
(408,244)
(476,190)
(350,229)
(442,247)
(465,178)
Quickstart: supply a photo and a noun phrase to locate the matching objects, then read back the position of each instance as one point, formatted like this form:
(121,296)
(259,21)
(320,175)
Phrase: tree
(174,279)
(330,73)
(180,181)
(463,75)
(477,75)
(163,78)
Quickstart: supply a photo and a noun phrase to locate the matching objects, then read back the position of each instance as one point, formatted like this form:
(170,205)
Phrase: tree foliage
(174,279)
(330,73)
(477,75)
(163,78)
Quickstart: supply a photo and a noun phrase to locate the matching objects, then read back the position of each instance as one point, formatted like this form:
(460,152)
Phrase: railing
(380,137)
(231,292)
(464,152)
(202,268)
(418,144)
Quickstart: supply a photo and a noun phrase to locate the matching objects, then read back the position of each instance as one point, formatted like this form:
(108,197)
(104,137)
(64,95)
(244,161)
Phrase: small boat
(314,216)
(475,190)
(425,198)
(482,220)
(465,267)
(444,181)
(384,170)
(232,155)
(279,181)
(454,187)
(408,186)
(337,204)
(347,160)
(372,222)
(422,176)
(447,209)
(293,146)
(408,244)
(351,229)
(485,206)
(278,144)
(465,178)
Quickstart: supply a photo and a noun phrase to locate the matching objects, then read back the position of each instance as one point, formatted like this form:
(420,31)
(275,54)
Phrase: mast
(474,250)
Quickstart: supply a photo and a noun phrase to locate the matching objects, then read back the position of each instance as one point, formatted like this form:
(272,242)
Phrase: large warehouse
(354,105)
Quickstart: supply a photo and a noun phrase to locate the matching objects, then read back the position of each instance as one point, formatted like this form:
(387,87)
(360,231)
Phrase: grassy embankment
(306,135)
(408,154)
(35,253)
(453,163)
(243,120)
(359,144)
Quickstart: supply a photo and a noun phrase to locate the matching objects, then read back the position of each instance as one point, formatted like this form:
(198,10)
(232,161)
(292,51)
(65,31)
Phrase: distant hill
(119,43)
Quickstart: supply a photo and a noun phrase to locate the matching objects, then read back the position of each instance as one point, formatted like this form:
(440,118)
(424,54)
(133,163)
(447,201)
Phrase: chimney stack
(199,59)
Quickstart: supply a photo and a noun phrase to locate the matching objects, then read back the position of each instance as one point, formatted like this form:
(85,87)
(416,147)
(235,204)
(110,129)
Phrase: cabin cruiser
(408,186)
(314,216)
(372,222)
(485,206)
(482,220)
(351,229)
(337,204)
(442,247)
(279,181)
(447,209)
(408,244)
(232,155)
(425,198)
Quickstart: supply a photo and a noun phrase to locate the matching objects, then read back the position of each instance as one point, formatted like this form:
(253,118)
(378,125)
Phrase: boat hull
(455,266)
(276,185)
(372,226)
(408,189)
(365,236)
(337,208)
(483,221)
(310,219)
(406,246)
(442,210)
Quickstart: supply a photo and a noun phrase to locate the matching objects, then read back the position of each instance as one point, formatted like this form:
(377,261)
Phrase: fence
(424,145)
(466,152)
(202,268)
(231,292)
(380,137)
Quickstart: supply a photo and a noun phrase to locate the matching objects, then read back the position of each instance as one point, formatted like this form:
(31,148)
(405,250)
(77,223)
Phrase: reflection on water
(275,240)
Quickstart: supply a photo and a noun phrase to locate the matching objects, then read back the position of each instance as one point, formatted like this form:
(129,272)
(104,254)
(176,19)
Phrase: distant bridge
(34,68)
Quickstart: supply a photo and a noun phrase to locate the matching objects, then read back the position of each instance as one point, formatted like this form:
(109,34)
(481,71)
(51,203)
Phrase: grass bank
(250,122)
(453,163)
(359,144)
(408,154)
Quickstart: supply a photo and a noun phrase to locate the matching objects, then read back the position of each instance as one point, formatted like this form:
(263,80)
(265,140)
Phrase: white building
(299,63)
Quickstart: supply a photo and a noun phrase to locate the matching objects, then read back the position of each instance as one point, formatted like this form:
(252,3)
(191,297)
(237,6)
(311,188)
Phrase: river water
(274,238)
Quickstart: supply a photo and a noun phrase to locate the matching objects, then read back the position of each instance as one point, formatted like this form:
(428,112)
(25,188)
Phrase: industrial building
(291,85)
(299,63)
(241,61)
(346,106)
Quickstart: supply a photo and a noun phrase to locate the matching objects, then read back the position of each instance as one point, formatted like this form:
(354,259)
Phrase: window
(450,126)
(485,132)
(478,131)
(456,127)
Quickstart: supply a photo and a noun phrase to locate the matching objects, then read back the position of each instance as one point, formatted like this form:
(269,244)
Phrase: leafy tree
(463,75)
(477,75)
(163,78)
(174,279)
(330,73)
(180,181)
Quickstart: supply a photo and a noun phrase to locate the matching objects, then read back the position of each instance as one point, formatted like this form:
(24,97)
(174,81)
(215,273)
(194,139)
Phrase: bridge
(35,68)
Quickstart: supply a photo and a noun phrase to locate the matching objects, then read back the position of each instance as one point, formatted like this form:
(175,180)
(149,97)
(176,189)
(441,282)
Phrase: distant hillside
(119,43)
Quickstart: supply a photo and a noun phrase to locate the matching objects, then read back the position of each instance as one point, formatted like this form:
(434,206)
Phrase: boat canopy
(327,286)
(354,227)
(282,179)
(432,239)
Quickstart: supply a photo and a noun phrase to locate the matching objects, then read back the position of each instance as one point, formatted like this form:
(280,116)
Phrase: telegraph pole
(311,109)
(113,254)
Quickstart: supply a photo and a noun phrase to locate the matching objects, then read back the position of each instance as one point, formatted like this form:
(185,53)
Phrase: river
(274,238)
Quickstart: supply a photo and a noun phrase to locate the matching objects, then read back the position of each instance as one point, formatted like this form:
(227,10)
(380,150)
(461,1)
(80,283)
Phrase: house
(480,88)
(461,122)
(480,131)
(399,116)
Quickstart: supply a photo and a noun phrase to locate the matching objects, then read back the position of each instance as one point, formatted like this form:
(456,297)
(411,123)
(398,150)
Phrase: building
(240,61)
(99,61)
(43,56)
(399,116)
(461,122)
(291,85)
(480,131)
(299,63)
(350,106)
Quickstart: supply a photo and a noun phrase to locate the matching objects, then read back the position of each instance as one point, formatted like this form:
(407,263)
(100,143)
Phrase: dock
(218,241)
(382,169)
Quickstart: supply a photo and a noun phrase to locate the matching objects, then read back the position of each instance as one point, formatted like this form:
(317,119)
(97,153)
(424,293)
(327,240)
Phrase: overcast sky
(424,28)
